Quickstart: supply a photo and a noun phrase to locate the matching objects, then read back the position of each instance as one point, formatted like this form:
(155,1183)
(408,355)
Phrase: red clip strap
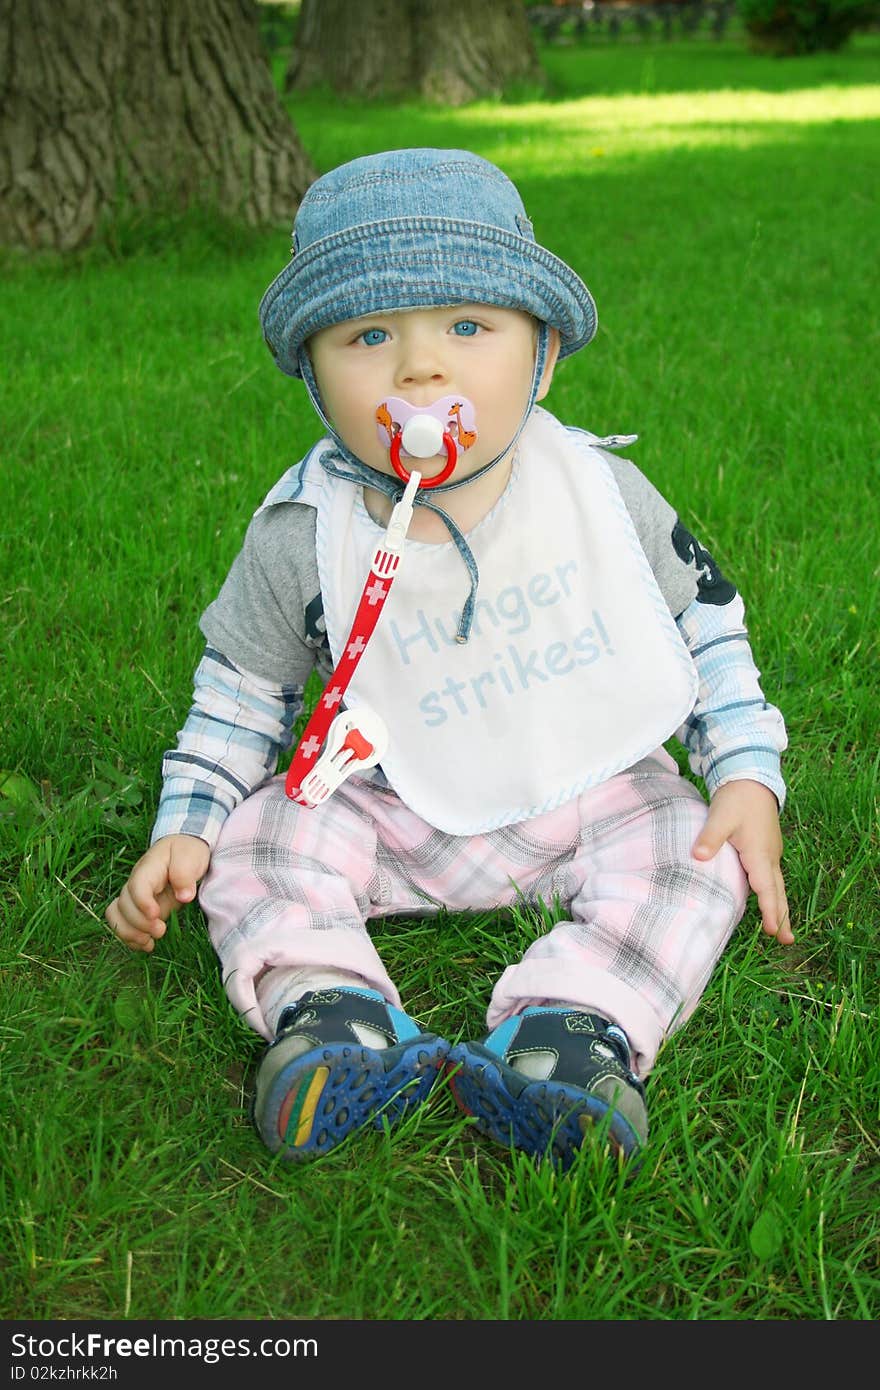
(372,600)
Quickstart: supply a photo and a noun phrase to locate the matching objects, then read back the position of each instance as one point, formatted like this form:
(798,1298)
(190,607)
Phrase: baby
(509,621)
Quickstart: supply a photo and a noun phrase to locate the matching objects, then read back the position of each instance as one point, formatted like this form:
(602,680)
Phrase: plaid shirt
(239,724)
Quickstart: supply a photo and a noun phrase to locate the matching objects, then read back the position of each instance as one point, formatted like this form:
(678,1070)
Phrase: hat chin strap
(391,486)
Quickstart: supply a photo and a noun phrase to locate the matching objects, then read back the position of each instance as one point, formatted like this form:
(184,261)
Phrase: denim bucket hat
(416,229)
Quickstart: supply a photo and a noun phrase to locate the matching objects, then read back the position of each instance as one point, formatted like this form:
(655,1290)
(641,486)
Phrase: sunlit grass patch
(562,135)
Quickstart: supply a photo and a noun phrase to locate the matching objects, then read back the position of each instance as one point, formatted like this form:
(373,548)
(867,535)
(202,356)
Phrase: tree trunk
(107,103)
(448,51)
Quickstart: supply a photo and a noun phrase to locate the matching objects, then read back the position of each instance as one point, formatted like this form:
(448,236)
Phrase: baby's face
(419,355)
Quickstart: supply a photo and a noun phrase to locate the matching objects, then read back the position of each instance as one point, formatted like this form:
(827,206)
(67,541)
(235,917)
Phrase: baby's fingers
(139,909)
(716,832)
(141,897)
(769,886)
(128,924)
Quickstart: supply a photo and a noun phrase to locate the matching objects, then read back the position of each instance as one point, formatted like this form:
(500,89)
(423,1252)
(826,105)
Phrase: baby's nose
(421,362)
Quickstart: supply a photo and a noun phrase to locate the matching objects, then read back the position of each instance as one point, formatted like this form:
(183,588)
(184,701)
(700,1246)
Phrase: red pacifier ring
(446,470)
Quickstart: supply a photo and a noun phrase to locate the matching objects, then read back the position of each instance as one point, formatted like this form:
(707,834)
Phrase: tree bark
(108,103)
(446,51)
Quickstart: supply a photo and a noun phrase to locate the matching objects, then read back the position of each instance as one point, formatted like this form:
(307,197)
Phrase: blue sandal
(544,1078)
(342,1058)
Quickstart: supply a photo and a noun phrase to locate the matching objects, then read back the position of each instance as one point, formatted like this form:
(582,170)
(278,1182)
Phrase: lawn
(723,208)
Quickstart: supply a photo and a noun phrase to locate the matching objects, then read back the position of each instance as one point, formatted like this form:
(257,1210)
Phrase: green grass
(730,239)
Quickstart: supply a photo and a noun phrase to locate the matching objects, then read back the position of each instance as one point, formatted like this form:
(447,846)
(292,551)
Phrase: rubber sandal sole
(316,1100)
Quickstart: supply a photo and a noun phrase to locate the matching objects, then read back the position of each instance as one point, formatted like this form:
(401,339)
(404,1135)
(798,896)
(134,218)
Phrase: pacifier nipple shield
(423,431)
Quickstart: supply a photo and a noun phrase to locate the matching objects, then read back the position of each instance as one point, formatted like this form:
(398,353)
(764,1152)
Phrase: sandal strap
(585,1045)
(328,1015)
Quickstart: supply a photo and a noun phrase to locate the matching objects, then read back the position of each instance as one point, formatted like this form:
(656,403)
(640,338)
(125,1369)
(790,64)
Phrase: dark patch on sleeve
(316,627)
(712,587)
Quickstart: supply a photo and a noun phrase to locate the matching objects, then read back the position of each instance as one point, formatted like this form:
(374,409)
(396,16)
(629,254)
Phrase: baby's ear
(550,364)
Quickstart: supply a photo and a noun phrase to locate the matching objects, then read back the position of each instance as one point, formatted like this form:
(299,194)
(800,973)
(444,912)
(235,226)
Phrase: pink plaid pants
(647,922)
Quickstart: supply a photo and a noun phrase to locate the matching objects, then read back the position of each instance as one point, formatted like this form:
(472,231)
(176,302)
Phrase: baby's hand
(166,876)
(746,814)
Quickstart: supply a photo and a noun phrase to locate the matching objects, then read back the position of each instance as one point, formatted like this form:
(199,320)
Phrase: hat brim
(420,263)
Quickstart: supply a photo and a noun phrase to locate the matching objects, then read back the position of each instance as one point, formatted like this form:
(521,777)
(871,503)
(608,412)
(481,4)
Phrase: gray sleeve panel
(654,520)
(257,619)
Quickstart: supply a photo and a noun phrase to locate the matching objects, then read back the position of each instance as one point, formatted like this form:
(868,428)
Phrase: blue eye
(465,328)
(372,337)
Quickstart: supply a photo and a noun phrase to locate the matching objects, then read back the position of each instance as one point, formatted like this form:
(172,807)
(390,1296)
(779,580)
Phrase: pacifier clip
(354,741)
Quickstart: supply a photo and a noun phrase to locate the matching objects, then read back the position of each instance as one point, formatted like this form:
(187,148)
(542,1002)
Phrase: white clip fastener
(615,441)
(386,557)
(357,739)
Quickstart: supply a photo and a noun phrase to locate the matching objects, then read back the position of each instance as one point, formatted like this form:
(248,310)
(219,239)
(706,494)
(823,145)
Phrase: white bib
(574,669)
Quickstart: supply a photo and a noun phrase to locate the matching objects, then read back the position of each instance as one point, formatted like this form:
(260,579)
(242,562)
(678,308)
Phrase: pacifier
(422,431)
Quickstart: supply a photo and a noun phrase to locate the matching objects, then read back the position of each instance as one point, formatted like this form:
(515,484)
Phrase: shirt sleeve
(732,733)
(238,725)
(656,521)
(262,617)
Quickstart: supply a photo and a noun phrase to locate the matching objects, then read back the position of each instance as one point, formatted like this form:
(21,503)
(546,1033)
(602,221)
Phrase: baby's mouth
(422,427)
(423,432)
